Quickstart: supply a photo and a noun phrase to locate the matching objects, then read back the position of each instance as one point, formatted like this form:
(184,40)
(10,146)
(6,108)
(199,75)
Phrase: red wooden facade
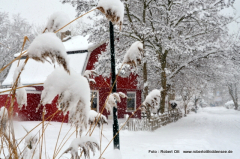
(102,87)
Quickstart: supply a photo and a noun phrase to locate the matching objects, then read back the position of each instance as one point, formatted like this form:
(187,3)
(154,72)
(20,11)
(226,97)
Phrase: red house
(82,57)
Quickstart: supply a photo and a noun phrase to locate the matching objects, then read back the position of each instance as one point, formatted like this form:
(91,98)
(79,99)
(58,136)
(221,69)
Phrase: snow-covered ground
(212,128)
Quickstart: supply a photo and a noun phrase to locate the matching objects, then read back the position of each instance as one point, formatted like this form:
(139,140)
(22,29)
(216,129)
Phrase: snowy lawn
(215,128)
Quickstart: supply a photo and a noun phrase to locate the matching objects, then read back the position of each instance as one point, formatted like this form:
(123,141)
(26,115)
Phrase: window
(131,101)
(94,100)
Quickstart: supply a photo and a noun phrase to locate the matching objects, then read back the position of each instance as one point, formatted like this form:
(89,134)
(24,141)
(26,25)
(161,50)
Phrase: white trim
(134,103)
(97,91)
(34,92)
(85,63)
(90,50)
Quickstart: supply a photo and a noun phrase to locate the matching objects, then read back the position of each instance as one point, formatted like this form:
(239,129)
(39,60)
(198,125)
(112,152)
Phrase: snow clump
(134,54)
(48,45)
(74,95)
(86,143)
(56,21)
(113,10)
(113,99)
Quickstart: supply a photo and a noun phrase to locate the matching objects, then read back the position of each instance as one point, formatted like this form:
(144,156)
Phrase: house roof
(37,72)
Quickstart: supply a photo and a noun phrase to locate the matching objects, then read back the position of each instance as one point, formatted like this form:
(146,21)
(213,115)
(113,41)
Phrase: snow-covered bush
(113,99)
(134,54)
(93,117)
(56,21)
(48,45)
(229,105)
(113,10)
(85,143)
(74,95)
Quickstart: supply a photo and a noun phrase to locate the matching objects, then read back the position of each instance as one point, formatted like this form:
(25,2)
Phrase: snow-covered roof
(37,72)
(76,43)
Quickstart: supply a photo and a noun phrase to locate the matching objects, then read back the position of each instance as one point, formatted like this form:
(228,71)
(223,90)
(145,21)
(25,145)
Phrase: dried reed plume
(111,16)
(93,120)
(77,117)
(113,98)
(86,144)
(89,74)
(137,60)
(54,57)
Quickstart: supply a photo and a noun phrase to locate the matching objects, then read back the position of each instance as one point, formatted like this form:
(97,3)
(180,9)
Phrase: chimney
(65,36)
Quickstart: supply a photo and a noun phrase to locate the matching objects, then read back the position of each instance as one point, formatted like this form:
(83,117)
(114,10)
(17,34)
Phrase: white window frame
(134,103)
(97,98)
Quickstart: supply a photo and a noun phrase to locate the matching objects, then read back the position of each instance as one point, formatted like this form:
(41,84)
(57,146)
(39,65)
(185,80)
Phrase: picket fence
(154,123)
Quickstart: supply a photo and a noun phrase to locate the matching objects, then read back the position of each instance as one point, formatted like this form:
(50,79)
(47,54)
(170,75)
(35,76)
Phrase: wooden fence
(155,122)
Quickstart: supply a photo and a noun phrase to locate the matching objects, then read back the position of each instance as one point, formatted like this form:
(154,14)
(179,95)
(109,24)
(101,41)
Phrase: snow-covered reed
(21,93)
(113,10)
(74,95)
(48,46)
(113,99)
(133,55)
(152,99)
(56,21)
(3,118)
(85,143)
(93,117)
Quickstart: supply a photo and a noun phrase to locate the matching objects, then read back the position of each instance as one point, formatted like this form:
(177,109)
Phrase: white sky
(37,11)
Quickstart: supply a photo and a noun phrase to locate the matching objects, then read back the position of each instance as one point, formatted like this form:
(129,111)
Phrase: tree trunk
(163,81)
(236,97)
(232,88)
(145,90)
(185,109)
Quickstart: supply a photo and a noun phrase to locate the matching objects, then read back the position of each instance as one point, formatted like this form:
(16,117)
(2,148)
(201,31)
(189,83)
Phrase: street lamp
(115,120)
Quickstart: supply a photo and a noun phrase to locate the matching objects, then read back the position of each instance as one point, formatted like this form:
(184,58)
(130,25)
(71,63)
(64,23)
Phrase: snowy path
(210,129)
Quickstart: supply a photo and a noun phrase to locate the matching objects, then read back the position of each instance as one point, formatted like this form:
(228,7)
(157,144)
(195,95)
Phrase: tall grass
(10,146)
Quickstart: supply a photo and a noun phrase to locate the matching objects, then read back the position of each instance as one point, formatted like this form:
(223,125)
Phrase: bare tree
(11,38)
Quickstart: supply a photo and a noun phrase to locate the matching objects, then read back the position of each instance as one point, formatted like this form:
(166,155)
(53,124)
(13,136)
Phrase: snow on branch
(176,71)
(74,95)
(56,21)
(152,99)
(134,54)
(113,10)
(112,99)
(48,45)
(86,144)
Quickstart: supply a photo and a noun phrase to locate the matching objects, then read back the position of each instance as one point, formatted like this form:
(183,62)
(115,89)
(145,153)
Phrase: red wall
(28,114)
(104,87)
